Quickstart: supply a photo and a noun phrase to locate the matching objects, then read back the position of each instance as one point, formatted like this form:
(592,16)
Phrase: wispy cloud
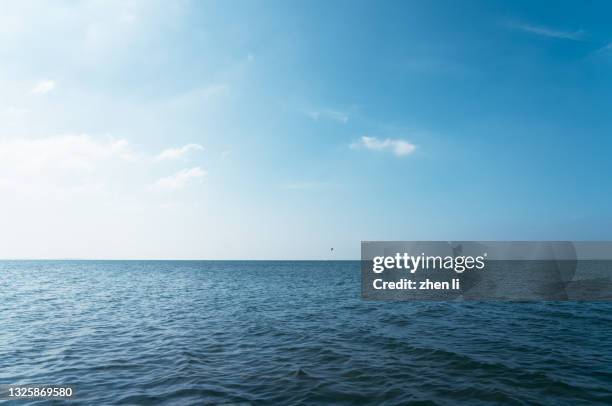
(43,87)
(181,179)
(605,48)
(63,164)
(65,152)
(305,185)
(225,154)
(13,112)
(578,35)
(398,147)
(334,115)
(178,153)
(70,164)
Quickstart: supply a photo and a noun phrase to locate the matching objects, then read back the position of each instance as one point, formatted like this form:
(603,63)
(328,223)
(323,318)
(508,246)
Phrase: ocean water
(206,332)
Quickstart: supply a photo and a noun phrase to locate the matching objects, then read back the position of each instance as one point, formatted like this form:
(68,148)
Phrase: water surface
(206,332)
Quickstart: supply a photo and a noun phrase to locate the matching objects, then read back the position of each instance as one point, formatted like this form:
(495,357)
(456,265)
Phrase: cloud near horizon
(398,147)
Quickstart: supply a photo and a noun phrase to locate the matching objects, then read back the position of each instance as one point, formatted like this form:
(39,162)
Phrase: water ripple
(250,333)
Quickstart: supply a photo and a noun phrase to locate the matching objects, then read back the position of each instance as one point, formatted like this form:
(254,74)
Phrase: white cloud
(180,179)
(81,164)
(178,153)
(606,48)
(60,165)
(551,33)
(14,112)
(334,115)
(398,147)
(43,87)
(64,152)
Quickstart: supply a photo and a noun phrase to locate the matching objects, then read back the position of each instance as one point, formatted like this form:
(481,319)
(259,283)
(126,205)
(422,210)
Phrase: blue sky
(274,130)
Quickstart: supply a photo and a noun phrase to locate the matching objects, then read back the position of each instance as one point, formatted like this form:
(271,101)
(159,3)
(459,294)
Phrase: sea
(286,333)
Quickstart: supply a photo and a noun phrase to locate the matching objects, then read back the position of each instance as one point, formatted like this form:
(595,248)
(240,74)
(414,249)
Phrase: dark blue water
(286,333)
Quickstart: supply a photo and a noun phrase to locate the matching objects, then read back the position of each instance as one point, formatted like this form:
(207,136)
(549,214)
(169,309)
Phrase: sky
(277,130)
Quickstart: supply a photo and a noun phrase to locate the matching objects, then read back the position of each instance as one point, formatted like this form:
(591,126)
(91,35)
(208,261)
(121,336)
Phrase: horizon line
(157,259)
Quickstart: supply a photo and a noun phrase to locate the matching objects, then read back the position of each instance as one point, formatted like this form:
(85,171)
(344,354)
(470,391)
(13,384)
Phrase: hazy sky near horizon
(276,130)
